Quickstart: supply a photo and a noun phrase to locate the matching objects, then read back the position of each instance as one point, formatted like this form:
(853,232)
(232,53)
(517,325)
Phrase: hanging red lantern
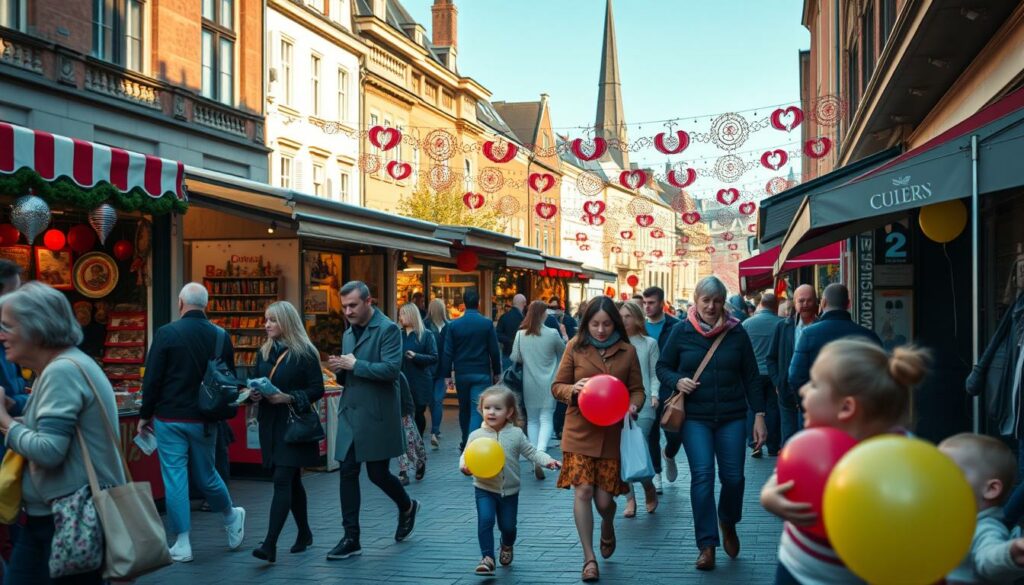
(467,261)
(81,238)
(632,280)
(624,296)
(9,235)
(54,240)
(123,250)
(609,292)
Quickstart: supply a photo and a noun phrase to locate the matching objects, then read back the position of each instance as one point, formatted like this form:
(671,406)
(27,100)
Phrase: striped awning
(85,163)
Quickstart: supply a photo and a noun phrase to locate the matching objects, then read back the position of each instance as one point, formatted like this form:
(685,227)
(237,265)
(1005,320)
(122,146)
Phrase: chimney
(445,31)
(544,98)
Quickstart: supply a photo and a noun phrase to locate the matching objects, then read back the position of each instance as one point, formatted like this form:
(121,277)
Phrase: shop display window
(409,284)
(451,285)
(325,322)
(1002,257)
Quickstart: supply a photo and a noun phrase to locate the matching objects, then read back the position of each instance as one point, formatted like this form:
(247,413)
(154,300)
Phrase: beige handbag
(675,411)
(135,542)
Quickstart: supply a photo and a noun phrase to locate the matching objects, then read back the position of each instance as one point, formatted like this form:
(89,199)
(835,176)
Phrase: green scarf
(612,340)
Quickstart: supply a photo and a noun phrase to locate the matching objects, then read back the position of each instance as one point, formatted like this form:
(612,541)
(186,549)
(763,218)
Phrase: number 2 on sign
(895,242)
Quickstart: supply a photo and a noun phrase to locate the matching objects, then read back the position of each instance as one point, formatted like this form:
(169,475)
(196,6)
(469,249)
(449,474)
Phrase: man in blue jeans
(472,353)
(185,441)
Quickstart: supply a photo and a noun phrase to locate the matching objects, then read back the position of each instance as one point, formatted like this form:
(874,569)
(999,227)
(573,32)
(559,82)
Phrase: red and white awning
(87,163)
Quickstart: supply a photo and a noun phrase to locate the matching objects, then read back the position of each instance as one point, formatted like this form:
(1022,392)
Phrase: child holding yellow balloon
(859,389)
(492,456)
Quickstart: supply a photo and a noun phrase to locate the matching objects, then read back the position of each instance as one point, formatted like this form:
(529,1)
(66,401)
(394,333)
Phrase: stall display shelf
(246,293)
(125,345)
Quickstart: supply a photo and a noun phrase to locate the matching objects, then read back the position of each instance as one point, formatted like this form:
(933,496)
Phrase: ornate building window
(117,29)
(218,43)
(287,70)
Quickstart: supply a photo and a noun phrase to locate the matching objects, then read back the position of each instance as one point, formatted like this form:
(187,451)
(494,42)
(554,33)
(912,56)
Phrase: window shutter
(299,183)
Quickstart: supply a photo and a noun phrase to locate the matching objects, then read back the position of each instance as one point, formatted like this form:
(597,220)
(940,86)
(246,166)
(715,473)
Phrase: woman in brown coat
(590,452)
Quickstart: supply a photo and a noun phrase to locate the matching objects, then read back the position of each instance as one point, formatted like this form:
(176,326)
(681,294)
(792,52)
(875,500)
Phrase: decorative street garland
(66,192)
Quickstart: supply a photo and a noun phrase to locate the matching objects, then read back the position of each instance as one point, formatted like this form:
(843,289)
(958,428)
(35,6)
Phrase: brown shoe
(607,544)
(590,572)
(730,540)
(706,560)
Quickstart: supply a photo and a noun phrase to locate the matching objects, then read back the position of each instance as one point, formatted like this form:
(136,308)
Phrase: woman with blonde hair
(437,323)
(420,358)
(647,352)
(291,363)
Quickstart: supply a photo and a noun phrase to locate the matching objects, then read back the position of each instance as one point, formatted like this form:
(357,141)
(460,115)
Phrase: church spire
(611,120)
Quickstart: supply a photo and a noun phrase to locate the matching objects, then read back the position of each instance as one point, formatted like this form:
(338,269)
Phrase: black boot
(265,553)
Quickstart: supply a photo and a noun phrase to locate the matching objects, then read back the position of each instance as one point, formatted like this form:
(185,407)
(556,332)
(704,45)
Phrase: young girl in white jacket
(497,498)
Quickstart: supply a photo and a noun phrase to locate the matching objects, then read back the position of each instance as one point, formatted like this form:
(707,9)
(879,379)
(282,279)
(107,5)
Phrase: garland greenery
(64,191)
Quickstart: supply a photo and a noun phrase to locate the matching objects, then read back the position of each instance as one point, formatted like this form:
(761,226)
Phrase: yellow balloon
(485,458)
(898,511)
(943,222)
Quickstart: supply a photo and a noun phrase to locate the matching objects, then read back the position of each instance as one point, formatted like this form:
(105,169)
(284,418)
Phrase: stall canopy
(938,170)
(86,164)
(756,272)
(525,258)
(599,274)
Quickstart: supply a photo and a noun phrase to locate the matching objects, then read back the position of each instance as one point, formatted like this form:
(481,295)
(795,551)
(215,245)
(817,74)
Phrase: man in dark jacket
(761,328)
(175,369)
(508,325)
(835,323)
(472,352)
(659,326)
(780,355)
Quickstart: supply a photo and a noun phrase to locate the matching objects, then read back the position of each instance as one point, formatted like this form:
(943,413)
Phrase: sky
(677,59)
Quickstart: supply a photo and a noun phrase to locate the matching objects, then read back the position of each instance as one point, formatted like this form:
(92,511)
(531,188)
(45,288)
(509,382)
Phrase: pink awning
(756,271)
(87,163)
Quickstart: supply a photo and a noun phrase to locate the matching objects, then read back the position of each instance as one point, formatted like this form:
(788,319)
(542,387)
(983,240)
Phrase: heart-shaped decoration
(541,182)
(682,141)
(657,253)
(399,170)
(727,236)
(818,147)
(748,208)
(734,246)
(684,239)
(734,256)
(593,219)
(500,151)
(774,159)
(639,254)
(685,263)
(727,196)
(752,228)
(581,237)
(645,220)
(626,234)
(657,233)
(633,179)
(681,180)
(682,251)
(691,217)
(385,138)
(616,249)
(473,200)
(710,249)
(545,210)
(597,150)
(584,247)
(786,119)
(594,207)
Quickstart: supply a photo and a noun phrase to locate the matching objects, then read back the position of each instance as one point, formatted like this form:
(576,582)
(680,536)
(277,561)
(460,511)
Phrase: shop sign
(866,280)
(893,244)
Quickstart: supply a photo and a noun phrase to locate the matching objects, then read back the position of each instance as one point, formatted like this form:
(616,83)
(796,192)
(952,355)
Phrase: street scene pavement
(652,548)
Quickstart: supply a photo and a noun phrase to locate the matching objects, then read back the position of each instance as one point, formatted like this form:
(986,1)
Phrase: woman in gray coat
(539,349)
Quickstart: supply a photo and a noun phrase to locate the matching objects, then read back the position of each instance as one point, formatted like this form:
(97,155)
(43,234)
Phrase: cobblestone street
(656,548)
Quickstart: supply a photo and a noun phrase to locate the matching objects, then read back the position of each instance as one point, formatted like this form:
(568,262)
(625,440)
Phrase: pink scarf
(725,322)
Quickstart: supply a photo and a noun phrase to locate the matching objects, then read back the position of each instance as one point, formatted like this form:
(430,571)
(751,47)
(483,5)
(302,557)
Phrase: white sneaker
(236,529)
(657,483)
(181,553)
(671,471)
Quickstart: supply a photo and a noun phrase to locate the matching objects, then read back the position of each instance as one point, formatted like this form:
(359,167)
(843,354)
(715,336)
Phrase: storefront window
(1003,251)
(321,302)
(451,285)
(507,284)
(369,268)
(545,287)
(410,284)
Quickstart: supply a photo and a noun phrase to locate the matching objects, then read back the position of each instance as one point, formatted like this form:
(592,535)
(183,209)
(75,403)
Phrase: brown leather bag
(675,410)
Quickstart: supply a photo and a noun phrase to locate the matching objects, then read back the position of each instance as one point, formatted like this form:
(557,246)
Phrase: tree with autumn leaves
(446,207)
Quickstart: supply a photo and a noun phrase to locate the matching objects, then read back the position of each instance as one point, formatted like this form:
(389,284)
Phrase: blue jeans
(185,447)
(437,406)
(469,387)
(791,420)
(30,558)
(771,419)
(704,442)
(491,506)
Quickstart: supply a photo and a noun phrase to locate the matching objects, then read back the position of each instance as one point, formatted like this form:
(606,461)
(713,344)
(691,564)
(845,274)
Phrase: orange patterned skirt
(584,470)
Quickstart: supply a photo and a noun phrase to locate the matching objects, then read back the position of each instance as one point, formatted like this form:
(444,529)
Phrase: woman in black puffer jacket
(716,412)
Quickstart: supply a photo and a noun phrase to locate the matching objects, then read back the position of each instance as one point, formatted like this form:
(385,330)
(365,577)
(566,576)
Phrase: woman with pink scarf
(716,411)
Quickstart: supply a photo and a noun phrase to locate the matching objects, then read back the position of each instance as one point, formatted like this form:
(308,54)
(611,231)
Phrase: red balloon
(123,250)
(54,240)
(604,400)
(632,280)
(808,459)
(9,235)
(467,261)
(81,238)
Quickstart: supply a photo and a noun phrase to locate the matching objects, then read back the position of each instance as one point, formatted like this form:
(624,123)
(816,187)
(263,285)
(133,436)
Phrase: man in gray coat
(369,416)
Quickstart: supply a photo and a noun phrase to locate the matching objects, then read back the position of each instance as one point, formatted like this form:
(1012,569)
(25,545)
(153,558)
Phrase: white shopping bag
(636,464)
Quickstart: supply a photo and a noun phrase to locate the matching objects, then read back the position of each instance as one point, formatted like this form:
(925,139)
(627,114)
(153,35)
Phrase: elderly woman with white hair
(38,330)
(716,403)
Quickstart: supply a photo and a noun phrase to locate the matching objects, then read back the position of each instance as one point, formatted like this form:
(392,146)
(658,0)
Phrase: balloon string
(952,289)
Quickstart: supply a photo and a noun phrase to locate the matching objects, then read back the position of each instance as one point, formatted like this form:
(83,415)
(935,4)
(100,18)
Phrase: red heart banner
(657,253)
(774,159)
(727,236)
(546,210)
(734,246)
(473,200)
(633,179)
(682,251)
(748,208)
(818,147)
(727,196)
(616,249)
(645,220)
(787,119)
(657,233)
(500,151)
(682,141)
(593,219)
(752,228)
(681,182)
(541,182)
(581,237)
(684,239)
(600,146)
(399,170)
(691,217)
(626,235)
(385,138)
(710,249)
(594,207)
(639,253)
